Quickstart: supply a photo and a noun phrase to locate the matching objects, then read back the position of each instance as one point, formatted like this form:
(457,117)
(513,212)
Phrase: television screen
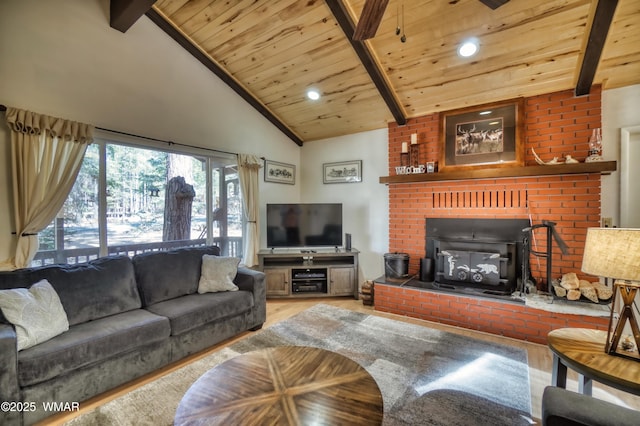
(304,225)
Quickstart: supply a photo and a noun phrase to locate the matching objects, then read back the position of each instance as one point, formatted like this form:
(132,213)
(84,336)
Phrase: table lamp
(615,253)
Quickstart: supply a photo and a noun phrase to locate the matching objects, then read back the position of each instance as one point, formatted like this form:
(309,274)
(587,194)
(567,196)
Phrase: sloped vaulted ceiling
(272,51)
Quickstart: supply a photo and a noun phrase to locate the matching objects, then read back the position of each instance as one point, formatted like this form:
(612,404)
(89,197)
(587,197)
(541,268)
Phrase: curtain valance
(31,123)
(249,161)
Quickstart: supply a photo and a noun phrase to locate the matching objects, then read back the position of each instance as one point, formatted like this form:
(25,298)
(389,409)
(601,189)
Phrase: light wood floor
(540,358)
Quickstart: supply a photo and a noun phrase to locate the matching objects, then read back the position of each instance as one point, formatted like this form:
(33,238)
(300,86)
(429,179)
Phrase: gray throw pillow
(218,274)
(36,313)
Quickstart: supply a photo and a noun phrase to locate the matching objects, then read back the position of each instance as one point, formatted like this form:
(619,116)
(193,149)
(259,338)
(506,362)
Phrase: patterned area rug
(426,376)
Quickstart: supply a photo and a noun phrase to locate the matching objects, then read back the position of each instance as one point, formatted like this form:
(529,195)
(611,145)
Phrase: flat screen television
(304,225)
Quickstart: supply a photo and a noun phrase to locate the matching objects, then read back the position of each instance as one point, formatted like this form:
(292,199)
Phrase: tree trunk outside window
(178,200)
(179,197)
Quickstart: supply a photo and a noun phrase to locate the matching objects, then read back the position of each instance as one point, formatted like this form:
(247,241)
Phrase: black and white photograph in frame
(482,136)
(342,172)
(279,172)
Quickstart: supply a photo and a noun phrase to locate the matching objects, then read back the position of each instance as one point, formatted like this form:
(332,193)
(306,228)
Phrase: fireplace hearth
(476,255)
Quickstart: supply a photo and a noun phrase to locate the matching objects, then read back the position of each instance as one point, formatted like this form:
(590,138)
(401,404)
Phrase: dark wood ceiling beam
(125,13)
(221,73)
(494,4)
(597,36)
(346,23)
(370,19)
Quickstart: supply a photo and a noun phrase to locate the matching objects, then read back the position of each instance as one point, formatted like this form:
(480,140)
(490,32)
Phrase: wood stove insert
(476,255)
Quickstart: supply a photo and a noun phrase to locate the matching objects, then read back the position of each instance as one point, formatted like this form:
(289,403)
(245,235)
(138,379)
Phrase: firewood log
(573,294)
(604,292)
(570,281)
(559,291)
(589,291)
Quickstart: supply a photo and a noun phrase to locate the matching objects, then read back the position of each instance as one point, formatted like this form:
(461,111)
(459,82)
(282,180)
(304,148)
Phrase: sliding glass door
(130,198)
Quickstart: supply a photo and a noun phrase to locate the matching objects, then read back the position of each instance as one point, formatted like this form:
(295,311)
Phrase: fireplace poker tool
(552,234)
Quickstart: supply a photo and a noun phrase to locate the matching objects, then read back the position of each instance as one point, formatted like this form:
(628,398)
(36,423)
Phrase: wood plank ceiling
(274,50)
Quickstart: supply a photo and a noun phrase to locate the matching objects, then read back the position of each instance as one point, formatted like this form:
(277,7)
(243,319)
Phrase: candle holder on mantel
(414,155)
(404,155)
(404,159)
(414,151)
(595,146)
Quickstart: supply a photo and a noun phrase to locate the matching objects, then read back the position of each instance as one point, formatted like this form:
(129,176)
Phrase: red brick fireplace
(555,124)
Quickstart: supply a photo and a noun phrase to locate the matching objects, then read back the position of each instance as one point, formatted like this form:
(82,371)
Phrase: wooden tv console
(310,273)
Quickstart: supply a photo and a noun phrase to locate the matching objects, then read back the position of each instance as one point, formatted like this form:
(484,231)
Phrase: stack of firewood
(366,293)
(573,288)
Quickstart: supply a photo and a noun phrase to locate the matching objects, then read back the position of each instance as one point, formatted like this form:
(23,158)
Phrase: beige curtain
(249,167)
(46,154)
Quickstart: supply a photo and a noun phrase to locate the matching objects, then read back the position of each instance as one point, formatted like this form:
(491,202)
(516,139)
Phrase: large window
(129,199)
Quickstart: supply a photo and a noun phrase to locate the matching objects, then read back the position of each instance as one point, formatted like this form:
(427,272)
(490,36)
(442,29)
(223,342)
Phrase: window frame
(212,158)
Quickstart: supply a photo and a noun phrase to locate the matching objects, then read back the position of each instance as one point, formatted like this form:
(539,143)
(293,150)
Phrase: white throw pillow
(218,274)
(36,313)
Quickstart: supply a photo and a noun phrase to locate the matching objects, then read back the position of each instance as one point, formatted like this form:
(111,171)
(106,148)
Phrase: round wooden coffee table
(292,385)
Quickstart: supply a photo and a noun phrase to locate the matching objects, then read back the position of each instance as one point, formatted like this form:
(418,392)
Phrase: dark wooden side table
(287,385)
(582,350)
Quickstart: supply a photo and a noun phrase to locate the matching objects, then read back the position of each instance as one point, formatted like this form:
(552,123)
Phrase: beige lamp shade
(612,253)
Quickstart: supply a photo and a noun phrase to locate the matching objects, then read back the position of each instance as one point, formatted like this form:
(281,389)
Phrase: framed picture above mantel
(483,136)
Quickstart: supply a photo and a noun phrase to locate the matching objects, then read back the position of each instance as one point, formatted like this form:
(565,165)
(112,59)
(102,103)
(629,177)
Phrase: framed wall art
(342,172)
(482,136)
(279,172)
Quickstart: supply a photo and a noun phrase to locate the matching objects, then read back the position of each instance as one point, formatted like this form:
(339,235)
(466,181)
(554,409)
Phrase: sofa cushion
(36,313)
(218,274)
(188,312)
(88,291)
(90,343)
(169,274)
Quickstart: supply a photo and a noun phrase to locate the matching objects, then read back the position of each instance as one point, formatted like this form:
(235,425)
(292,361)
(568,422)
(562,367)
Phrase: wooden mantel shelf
(603,167)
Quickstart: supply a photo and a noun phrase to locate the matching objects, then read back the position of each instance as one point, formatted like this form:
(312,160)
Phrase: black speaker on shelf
(426,269)
(347,242)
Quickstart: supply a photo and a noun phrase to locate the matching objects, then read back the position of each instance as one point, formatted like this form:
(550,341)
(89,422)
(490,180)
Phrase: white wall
(365,204)
(61,58)
(620,108)
(629,177)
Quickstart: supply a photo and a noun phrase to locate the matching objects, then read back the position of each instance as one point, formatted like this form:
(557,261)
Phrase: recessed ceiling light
(485,112)
(468,48)
(314,95)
